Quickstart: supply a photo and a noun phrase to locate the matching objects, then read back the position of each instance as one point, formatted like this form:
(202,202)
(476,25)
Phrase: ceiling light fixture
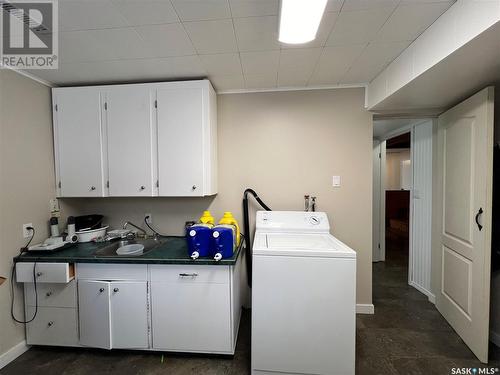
(299,20)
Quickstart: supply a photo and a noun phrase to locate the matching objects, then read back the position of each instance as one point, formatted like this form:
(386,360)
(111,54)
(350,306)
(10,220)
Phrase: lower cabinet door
(129,314)
(52,326)
(94,313)
(191,317)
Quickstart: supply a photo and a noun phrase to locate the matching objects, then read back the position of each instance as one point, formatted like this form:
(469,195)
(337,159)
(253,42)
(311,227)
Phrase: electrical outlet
(27,233)
(150,219)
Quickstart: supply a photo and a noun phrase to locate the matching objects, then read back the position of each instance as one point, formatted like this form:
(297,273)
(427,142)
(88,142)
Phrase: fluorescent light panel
(299,20)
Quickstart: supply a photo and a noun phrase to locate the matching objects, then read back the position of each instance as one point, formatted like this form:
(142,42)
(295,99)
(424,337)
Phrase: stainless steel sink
(110,250)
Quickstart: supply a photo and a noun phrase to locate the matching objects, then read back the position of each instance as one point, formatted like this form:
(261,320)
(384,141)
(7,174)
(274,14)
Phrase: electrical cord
(12,289)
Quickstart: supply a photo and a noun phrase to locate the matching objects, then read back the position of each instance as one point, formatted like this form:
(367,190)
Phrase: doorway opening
(402,199)
(398,180)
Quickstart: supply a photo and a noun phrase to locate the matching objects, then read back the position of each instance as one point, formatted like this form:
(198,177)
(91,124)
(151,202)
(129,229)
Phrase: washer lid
(297,244)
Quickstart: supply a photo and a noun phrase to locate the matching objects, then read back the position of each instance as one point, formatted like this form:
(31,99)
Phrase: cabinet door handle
(143,187)
(48,294)
(101,290)
(92,188)
(194,187)
(50,324)
(116,290)
(188,274)
(38,274)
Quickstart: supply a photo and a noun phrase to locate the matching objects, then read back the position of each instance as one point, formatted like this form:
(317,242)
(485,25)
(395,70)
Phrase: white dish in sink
(132,249)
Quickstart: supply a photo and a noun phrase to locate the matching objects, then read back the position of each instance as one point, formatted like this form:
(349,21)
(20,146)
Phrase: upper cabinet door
(130,134)
(80,166)
(181,125)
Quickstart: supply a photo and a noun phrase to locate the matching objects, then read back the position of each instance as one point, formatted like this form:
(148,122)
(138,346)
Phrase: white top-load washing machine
(303,296)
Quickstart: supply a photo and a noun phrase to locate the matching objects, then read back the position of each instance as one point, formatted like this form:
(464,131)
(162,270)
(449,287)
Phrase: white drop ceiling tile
(410,20)
(166,40)
(89,15)
(334,5)
(359,26)
(85,45)
(146,12)
(181,67)
(224,64)
(381,53)
(293,77)
(201,10)
(361,73)
(257,33)
(249,8)
(259,62)
(325,27)
(368,4)
(230,82)
(334,63)
(126,43)
(211,37)
(260,81)
(304,59)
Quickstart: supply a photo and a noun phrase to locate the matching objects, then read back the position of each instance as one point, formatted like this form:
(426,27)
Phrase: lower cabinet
(181,308)
(191,317)
(113,314)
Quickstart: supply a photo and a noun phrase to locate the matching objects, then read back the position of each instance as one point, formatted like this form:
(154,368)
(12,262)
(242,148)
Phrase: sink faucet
(135,226)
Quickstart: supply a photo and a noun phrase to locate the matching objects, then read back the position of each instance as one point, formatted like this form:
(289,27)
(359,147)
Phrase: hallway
(407,335)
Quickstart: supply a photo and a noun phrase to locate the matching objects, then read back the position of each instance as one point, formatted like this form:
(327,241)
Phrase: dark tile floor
(405,336)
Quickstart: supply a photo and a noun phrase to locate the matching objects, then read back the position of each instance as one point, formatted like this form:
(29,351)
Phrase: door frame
(409,128)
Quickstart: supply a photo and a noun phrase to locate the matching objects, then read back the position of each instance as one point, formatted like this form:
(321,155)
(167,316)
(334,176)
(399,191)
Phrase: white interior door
(465,182)
(421,220)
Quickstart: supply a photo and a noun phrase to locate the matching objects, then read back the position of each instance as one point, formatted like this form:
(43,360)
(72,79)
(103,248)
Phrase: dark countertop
(172,251)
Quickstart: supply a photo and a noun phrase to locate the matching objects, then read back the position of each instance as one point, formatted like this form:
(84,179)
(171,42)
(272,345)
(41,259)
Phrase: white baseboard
(495,338)
(13,353)
(365,308)
(430,296)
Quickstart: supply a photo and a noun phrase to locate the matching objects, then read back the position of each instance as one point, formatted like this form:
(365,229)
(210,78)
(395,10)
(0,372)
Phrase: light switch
(336,181)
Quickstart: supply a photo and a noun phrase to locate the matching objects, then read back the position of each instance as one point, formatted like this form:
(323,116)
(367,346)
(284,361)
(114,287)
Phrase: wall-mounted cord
(12,289)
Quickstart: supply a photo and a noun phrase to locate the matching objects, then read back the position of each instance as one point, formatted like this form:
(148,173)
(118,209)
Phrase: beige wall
(284,145)
(26,180)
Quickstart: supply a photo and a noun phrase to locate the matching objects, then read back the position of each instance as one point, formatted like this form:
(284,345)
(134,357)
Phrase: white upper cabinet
(187,139)
(136,140)
(79,152)
(130,134)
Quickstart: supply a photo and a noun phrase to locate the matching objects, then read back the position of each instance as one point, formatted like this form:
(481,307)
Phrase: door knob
(143,187)
(116,290)
(38,274)
(92,188)
(50,324)
(48,294)
(101,290)
(194,187)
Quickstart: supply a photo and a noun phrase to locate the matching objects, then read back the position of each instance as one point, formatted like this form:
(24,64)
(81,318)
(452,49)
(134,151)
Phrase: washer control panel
(292,221)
